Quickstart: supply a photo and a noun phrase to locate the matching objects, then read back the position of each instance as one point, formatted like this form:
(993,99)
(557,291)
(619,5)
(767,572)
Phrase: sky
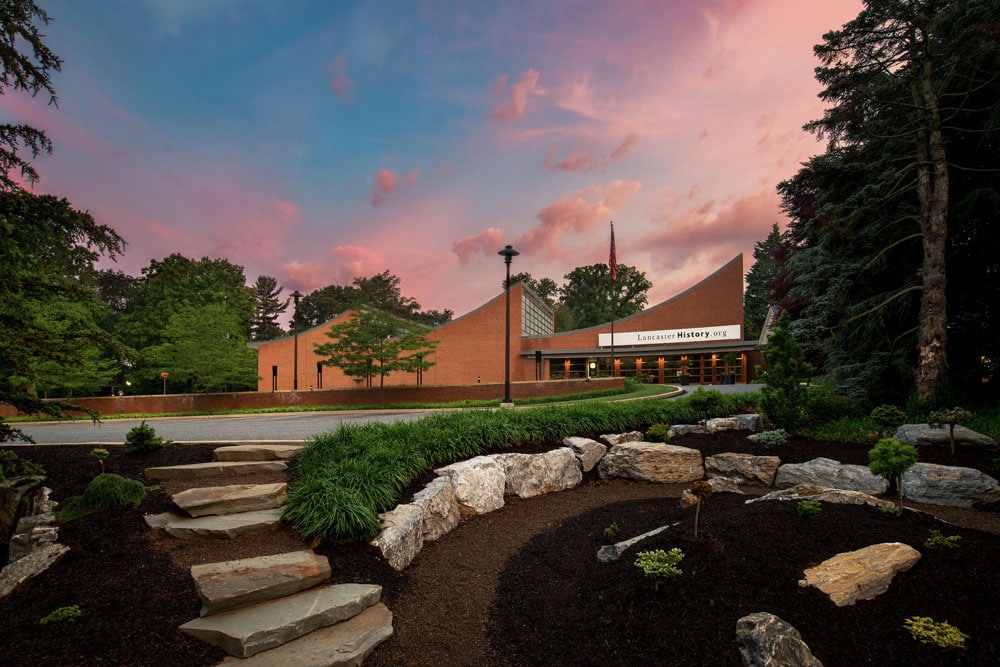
(318,141)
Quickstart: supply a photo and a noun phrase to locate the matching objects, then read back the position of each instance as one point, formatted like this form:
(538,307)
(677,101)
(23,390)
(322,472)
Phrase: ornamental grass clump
(659,564)
(929,631)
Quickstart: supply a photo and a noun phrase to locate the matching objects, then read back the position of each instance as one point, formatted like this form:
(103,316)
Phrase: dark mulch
(522,586)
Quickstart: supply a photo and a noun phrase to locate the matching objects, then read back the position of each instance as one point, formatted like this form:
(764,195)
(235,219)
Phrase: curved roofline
(697,285)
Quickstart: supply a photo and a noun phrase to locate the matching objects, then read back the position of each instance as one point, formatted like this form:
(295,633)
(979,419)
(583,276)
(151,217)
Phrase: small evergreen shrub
(658,433)
(706,402)
(100,455)
(929,631)
(143,439)
(611,532)
(774,438)
(888,418)
(68,614)
(105,491)
(659,564)
(892,510)
(937,540)
(889,459)
(950,418)
(807,509)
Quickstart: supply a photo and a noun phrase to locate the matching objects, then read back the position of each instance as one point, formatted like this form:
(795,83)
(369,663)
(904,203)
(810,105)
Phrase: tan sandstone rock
(861,575)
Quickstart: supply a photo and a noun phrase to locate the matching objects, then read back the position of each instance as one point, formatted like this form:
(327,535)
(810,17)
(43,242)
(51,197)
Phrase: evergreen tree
(268,306)
(761,280)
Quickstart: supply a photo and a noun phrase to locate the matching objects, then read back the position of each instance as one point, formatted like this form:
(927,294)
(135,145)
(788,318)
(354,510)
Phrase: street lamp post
(296,295)
(164,375)
(507,253)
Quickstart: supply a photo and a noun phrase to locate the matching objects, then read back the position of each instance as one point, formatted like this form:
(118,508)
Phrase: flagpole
(613,265)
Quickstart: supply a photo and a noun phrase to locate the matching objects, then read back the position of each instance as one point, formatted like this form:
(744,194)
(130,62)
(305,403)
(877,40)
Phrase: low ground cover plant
(939,540)
(658,433)
(808,509)
(774,438)
(659,564)
(68,614)
(105,491)
(929,631)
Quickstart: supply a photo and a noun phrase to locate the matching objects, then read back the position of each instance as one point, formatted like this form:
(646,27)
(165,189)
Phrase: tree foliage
(377,343)
(762,280)
(27,66)
(589,292)
(268,306)
(48,251)
(783,397)
(545,288)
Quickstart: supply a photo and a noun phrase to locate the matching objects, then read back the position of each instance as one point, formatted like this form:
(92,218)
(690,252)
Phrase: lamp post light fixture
(507,253)
(164,375)
(296,295)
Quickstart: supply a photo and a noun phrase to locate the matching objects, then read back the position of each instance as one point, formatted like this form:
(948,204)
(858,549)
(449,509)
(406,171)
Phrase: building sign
(671,336)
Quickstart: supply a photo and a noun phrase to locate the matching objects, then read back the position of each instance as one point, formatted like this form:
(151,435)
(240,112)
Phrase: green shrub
(706,402)
(888,417)
(784,398)
(807,509)
(825,405)
(658,433)
(893,510)
(11,463)
(890,458)
(659,564)
(774,438)
(937,540)
(611,532)
(929,631)
(67,614)
(101,455)
(105,491)
(143,439)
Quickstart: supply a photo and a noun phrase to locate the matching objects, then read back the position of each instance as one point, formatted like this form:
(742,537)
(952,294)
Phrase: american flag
(612,259)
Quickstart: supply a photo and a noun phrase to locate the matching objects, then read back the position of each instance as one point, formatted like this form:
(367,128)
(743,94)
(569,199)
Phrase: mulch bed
(522,586)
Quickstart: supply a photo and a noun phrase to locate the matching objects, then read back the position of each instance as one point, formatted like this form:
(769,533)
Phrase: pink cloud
(387,185)
(478,244)
(578,159)
(287,212)
(356,261)
(576,214)
(517,102)
(305,276)
(341,82)
(624,148)
(162,231)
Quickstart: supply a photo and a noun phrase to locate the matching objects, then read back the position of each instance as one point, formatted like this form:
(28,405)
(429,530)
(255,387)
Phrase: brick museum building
(699,331)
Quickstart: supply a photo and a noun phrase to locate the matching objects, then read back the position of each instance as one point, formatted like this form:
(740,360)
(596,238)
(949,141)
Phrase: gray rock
(924,434)
(215,527)
(239,583)
(439,508)
(478,484)
(823,494)
(765,640)
(529,475)
(684,429)
(749,421)
(589,452)
(402,535)
(30,566)
(250,630)
(949,485)
(719,424)
(344,644)
(232,499)
(612,552)
(652,462)
(833,474)
(744,468)
(863,574)
(620,438)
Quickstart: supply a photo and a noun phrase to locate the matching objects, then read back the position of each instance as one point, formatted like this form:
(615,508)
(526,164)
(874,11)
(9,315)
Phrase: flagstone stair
(274,609)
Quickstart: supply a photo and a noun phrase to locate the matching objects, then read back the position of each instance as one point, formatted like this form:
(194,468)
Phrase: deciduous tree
(589,292)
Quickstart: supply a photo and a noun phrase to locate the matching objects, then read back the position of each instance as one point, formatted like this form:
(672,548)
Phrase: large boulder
(401,538)
(925,434)
(744,468)
(588,452)
(529,475)
(823,494)
(949,485)
(685,429)
(749,421)
(766,640)
(652,462)
(719,424)
(834,474)
(478,484)
(439,507)
(863,574)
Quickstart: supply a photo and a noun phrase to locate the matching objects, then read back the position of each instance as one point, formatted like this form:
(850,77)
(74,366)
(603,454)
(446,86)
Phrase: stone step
(216,527)
(232,499)
(345,644)
(215,469)
(258,452)
(250,630)
(240,583)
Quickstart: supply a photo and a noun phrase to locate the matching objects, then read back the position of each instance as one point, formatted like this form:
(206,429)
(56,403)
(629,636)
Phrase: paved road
(282,426)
